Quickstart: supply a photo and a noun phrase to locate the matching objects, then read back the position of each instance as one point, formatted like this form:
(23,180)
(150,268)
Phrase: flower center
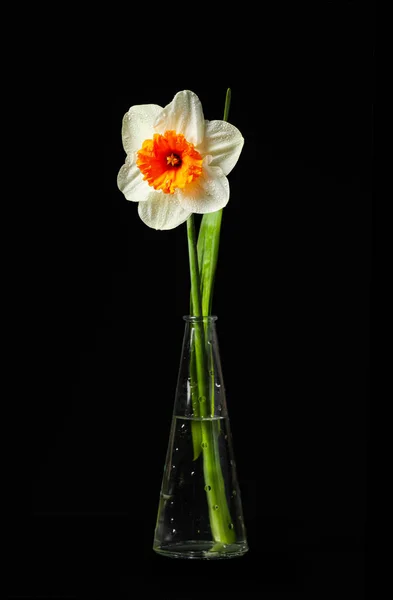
(174,160)
(168,162)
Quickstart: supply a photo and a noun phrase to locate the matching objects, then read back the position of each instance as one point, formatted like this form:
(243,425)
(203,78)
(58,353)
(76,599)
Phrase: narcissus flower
(177,162)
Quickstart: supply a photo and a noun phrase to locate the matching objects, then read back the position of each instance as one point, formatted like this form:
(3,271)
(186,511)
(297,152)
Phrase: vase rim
(193,319)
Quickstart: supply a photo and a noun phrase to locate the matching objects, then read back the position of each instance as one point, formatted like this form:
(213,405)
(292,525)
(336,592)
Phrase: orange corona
(168,162)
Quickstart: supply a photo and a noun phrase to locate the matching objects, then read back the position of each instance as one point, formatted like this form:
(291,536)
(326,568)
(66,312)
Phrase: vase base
(201,550)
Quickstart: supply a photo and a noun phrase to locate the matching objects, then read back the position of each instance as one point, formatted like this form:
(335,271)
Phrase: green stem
(206,431)
(194,269)
(197,308)
(196,360)
(227,104)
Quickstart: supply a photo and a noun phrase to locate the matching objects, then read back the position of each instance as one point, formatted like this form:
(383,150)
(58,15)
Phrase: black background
(106,296)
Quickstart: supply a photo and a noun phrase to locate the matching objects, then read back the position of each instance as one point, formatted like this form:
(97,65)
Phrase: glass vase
(200,512)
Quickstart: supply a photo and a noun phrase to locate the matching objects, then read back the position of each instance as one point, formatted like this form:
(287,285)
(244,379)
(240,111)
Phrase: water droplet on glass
(173,530)
(208,488)
(176,449)
(192,473)
(172,519)
(218,385)
(226,437)
(234,493)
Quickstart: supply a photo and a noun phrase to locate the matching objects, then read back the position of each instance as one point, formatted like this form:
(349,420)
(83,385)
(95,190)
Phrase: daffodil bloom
(177,162)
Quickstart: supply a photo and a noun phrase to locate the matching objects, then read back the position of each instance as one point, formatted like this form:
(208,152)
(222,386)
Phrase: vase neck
(200,389)
(201,319)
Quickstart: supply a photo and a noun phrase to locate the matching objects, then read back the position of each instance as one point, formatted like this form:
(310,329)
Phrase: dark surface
(103,332)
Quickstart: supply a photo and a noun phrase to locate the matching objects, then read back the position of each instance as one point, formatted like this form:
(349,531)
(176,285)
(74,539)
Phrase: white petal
(130,181)
(138,125)
(208,193)
(223,142)
(183,115)
(162,211)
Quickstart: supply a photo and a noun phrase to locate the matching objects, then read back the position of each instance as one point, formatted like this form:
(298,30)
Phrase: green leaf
(208,246)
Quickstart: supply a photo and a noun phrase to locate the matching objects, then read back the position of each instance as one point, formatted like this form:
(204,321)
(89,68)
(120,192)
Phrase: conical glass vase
(200,510)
